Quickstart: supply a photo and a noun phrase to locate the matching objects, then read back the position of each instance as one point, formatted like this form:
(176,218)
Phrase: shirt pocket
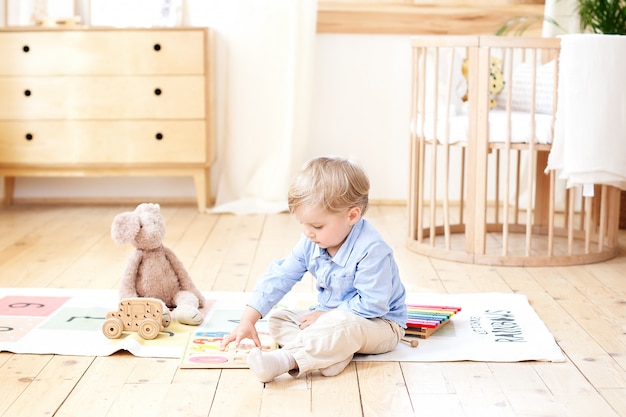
(341,286)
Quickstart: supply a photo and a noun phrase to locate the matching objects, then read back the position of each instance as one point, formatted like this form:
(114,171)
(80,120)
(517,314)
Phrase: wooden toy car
(145,316)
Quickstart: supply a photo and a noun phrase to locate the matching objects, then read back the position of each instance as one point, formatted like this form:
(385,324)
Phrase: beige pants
(334,337)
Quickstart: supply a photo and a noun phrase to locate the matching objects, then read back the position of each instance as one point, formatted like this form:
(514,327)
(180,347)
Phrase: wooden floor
(70,247)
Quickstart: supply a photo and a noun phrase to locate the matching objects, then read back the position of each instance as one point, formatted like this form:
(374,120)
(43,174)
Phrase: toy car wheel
(113,328)
(149,329)
(166,318)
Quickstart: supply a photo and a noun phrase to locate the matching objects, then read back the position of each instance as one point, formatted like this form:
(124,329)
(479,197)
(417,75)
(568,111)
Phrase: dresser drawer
(102,52)
(111,97)
(95,142)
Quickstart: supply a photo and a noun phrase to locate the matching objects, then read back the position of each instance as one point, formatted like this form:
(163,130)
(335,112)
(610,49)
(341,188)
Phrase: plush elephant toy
(153,270)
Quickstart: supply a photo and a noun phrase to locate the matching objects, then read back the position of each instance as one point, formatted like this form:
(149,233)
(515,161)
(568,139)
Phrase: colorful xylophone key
(429,316)
(424,320)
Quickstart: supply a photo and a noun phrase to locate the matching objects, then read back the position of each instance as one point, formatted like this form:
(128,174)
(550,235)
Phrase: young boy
(362,306)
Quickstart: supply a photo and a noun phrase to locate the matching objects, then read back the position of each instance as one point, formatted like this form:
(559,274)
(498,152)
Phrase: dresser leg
(202,184)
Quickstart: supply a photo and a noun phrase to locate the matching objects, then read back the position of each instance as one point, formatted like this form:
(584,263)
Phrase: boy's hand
(309,319)
(245,329)
(242,331)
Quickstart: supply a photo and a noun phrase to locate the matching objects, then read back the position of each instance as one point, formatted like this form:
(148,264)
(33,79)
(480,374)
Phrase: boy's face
(326,229)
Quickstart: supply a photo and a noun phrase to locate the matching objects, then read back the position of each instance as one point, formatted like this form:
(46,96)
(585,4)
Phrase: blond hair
(331,184)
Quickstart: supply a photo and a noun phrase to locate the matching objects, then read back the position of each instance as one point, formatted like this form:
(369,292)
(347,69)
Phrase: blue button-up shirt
(362,277)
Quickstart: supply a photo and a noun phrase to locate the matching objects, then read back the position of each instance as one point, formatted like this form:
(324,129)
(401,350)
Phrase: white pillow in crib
(521,88)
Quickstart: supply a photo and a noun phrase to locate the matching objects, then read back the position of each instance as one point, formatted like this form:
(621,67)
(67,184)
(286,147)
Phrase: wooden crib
(478,191)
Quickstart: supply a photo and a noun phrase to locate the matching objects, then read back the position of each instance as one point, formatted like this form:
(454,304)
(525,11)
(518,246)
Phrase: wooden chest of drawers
(107,102)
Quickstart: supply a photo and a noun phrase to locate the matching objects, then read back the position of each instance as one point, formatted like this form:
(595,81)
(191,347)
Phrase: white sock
(268,365)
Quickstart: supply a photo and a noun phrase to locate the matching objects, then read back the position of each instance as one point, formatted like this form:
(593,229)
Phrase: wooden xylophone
(424,320)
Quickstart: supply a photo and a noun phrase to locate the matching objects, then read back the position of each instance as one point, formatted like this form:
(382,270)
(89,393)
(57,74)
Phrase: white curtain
(265,61)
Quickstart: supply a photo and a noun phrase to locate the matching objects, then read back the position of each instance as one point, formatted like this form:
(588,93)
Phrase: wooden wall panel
(453,17)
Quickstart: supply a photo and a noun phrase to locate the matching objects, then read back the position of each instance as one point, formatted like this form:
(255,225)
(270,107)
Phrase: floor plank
(478,390)
(16,376)
(276,404)
(336,396)
(51,386)
(100,388)
(383,390)
(238,394)
(71,247)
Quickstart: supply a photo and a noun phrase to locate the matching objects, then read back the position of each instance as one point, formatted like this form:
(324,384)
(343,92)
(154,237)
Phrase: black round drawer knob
(159,136)
(29,136)
(157,91)
(25,48)
(27,93)
(157,47)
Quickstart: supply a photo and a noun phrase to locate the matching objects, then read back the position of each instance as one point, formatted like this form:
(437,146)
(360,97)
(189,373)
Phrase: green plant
(603,16)
(596,16)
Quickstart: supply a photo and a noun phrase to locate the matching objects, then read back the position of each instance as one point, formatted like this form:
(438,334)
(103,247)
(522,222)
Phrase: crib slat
(421,145)
(414,190)
(446,160)
(531,149)
(507,155)
(496,197)
(462,188)
(518,175)
(588,226)
(603,210)
(551,210)
(477,150)
(433,151)
(570,224)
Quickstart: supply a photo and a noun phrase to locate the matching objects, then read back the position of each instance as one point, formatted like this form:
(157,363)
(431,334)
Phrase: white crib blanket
(590,128)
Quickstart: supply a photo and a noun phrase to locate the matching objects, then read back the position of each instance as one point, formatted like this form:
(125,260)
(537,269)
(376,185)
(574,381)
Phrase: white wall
(361,106)
(360,110)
